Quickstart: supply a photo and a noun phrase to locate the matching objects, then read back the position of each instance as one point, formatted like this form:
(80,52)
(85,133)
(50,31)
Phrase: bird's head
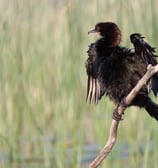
(109,31)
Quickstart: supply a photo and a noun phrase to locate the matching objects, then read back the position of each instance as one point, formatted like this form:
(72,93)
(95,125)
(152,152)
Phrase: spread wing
(146,52)
(143,49)
(94,89)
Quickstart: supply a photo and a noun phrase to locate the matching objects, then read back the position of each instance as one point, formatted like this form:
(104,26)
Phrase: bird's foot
(116,116)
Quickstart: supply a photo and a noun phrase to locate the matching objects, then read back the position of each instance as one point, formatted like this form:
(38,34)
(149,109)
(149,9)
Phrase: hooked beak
(93,31)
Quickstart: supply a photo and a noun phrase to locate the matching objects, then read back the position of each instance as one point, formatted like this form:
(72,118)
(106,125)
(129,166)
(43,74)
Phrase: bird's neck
(104,48)
(104,42)
(108,42)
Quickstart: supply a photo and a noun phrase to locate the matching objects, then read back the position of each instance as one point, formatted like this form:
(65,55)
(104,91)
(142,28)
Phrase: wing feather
(143,49)
(93,90)
(93,85)
(147,53)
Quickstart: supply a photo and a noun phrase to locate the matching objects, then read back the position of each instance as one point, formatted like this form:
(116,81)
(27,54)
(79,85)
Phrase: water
(89,151)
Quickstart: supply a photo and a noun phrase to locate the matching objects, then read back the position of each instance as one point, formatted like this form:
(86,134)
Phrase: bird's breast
(118,76)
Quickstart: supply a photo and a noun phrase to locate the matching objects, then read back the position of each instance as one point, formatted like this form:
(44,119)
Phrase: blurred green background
(44,118)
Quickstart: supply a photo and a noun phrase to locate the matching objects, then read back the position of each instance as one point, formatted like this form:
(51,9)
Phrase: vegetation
(45,121)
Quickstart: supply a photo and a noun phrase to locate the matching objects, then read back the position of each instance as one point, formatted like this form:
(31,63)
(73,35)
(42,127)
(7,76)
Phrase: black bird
(114,70)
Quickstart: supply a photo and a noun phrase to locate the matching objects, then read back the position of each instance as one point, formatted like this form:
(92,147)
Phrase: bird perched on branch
(114,70)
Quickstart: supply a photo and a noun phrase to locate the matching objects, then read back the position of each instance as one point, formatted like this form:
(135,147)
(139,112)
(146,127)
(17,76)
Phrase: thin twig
(151,70)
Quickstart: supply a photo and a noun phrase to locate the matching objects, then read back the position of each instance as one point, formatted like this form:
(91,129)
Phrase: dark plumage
(114,70)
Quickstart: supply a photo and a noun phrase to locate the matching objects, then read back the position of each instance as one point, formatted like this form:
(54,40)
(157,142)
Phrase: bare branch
(151,70)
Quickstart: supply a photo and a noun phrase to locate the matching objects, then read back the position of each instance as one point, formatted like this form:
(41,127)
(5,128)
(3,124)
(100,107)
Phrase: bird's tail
(154,84)
(152,109)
